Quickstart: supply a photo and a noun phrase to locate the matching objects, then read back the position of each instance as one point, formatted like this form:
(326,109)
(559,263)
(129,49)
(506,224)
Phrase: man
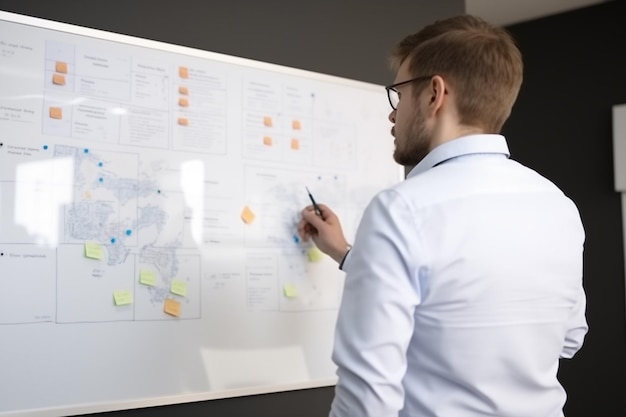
(464,285)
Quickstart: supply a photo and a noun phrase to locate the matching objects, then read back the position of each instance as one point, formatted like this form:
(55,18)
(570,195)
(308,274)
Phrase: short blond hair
(480,62)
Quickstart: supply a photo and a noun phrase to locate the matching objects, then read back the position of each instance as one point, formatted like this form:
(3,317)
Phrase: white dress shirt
(463,289)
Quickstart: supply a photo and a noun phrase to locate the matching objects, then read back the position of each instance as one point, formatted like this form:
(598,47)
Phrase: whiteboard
(619,146)
(619,161)
(149,196)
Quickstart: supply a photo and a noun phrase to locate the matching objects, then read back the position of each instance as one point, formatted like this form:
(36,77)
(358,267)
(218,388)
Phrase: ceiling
(507,12)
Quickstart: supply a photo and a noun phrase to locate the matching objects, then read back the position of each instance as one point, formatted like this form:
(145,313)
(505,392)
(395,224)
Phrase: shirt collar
(465,145)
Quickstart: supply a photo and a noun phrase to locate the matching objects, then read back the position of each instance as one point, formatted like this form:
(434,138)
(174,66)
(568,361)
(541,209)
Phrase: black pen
(316,208)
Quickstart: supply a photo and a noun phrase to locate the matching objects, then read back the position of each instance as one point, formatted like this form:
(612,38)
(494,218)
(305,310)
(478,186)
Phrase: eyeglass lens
(394,99)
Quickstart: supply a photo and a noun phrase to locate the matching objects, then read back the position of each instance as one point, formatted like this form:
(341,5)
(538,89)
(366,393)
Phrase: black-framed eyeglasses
(392,92)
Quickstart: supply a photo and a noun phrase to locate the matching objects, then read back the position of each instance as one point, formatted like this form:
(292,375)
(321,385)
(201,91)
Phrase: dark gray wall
(561,126)
(347,38)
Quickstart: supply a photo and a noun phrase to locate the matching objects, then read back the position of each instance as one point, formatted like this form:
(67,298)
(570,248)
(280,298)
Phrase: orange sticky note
(267,121)
(183,72)
(183,121)
(58,79)
(183,90)
(56,113)
(61,67)
(295,124)
(172,307)
(183,102)
(247,215)
(267,141)
(295,144)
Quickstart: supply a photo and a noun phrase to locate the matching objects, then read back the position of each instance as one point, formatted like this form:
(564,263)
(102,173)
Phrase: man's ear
(437,91)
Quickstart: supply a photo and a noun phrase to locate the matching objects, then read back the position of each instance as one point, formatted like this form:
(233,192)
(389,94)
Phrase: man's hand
(324,230)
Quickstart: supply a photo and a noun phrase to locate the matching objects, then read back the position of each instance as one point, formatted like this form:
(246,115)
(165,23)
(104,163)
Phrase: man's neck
(449,133)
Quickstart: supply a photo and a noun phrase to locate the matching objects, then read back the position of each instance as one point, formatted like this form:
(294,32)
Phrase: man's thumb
(313,219)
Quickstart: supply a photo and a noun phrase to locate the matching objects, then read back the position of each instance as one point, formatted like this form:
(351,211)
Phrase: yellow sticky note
(295,125)
(56,113)
(60,66)
(122,297)
(247,215)
(178,287)
(314,254)
(171,307)
(183,90)
(147,277)
(267,121)
(58,79)
(295,144)
(183,72)
(290,290)
(93,250)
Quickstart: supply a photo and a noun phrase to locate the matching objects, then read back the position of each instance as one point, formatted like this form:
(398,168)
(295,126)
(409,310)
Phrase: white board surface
(619,146)
(149,196)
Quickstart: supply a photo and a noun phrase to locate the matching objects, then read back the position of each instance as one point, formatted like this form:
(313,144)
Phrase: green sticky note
(147,277)
(290,290)
(122,297)
(314,254)
(178,287)
(93,250)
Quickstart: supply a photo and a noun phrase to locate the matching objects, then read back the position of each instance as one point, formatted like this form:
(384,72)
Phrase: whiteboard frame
(162,401)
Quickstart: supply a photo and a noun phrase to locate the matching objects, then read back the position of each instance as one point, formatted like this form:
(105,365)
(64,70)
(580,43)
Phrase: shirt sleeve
(376,316)
(577,327)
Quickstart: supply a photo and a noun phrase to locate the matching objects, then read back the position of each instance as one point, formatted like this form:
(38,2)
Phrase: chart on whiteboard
(124,222)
